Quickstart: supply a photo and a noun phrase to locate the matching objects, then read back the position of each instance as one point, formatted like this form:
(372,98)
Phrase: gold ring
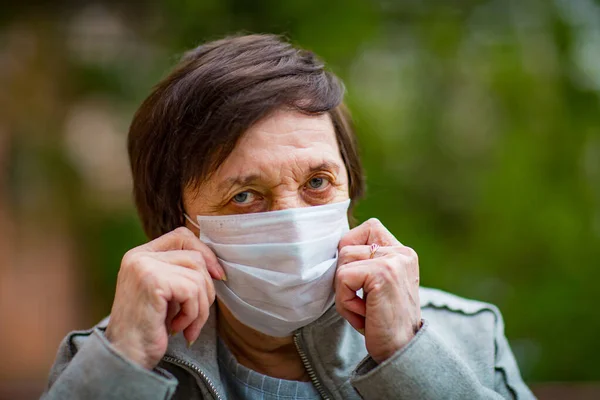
(373,249)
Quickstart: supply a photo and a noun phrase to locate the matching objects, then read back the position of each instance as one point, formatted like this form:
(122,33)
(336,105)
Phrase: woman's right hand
(164,286)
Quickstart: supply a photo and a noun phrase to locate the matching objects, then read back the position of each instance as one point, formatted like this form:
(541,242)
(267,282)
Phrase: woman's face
(287,160)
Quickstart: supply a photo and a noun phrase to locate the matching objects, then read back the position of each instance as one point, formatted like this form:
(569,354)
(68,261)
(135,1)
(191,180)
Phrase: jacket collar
(321,341)
(203,353)
(333,349)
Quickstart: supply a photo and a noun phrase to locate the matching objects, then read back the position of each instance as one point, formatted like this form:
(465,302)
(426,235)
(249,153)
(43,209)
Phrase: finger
(408,252)
(369,232)
(208,287)
(192,331)
(184,314)
(358,322)
(356,305)
(184,239)
(345,304)
(354,253)
(348,281)
(176,284)
(188,258)
(201,278)
(187,314)
(178,239)
(183,291)
(172,311)
(351,253)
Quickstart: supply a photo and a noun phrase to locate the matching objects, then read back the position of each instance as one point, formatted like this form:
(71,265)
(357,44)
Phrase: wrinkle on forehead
(287,141)
(278,151)
(290,128)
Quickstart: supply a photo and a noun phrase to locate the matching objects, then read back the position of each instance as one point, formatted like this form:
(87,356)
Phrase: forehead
(289,128)
(283,140)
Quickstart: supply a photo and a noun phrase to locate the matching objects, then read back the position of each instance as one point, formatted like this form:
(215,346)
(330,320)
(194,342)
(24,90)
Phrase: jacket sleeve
(427,368)
(98,371)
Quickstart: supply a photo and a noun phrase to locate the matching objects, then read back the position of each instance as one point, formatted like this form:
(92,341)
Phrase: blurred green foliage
(478,123)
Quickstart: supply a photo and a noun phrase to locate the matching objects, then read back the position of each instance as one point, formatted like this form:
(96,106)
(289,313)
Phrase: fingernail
(173,333)
(224,278)
(361,331)
(190,344)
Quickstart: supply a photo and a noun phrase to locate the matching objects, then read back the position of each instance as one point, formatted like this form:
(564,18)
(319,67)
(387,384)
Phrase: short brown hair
(194,117)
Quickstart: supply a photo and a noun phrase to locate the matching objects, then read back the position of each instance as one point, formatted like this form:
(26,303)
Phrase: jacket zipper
(187,365)
(309,368)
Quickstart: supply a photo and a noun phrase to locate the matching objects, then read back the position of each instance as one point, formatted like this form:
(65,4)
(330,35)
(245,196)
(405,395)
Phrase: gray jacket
(459,353)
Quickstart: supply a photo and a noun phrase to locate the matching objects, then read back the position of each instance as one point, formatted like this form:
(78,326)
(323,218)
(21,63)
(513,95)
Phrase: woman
(245,168)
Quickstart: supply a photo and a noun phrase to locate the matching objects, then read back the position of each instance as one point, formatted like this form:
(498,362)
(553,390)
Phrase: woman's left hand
(390,313)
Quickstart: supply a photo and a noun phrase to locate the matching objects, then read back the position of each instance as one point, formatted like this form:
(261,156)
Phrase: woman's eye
(317,183)
(243,197)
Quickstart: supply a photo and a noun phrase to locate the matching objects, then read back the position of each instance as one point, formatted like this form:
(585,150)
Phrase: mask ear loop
(191,221)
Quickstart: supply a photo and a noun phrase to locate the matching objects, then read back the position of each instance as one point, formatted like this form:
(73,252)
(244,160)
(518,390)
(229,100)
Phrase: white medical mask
(280,265)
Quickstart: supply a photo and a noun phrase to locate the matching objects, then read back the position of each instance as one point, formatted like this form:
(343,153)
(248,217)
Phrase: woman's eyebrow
(244,180)
(326,165)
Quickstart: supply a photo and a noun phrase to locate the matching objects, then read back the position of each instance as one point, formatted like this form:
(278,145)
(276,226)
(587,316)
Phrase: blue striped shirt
(245,384)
